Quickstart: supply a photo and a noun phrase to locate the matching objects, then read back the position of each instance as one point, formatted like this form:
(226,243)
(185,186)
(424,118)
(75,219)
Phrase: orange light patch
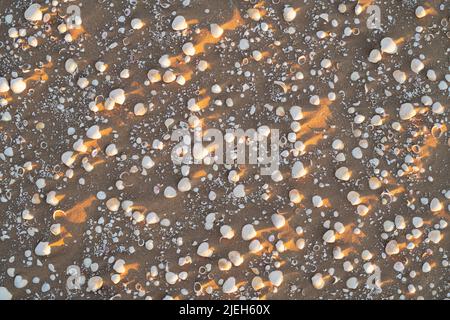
(78,213)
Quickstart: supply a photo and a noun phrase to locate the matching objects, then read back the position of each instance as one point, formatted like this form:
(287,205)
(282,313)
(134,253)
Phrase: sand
(53,113)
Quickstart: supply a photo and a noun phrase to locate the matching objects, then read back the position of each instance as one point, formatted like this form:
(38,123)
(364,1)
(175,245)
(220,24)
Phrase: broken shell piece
(244,44)
(277,176)
(257,55)
(248,232)
(43,249)
(179,23)
(325,63)
(431,75)
(216,89)
(388,45)
(337,253)
(204,250)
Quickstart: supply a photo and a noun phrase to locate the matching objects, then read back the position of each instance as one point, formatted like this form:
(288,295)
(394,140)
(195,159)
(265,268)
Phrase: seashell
(282,85)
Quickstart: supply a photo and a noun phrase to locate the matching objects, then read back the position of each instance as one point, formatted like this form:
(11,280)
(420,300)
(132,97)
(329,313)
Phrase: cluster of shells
(92,206)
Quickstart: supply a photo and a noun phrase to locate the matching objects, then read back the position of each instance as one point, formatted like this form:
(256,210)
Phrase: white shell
(95,283)
(18,85)
(33,12)
(388,45)
(229,286)
(248,232)
(5,294)
(276,278)
(392,248)
(203,250)
(216,30)
(43,249)
(289,14)
(407,111)
(278,220)
(179,23)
